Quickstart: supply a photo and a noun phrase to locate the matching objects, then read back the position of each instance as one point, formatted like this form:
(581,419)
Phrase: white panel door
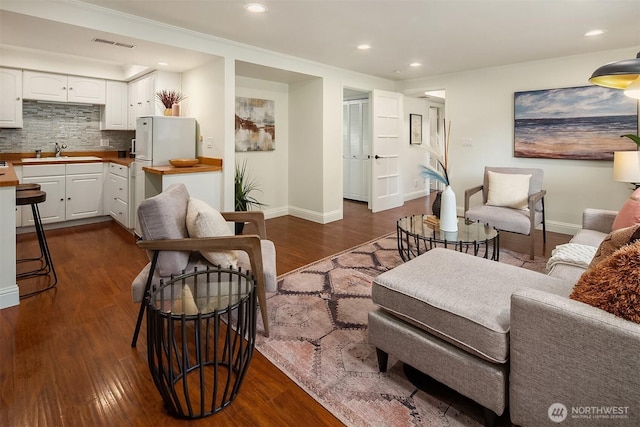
(387,136)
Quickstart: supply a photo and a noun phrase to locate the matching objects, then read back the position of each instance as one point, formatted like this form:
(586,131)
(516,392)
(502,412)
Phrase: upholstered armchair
(181,233)
(512,200)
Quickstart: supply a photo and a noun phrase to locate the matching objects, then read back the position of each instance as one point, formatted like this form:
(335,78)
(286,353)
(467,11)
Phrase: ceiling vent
(112,43)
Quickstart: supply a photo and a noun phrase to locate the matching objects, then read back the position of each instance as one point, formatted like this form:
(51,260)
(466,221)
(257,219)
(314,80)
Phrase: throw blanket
(572,254)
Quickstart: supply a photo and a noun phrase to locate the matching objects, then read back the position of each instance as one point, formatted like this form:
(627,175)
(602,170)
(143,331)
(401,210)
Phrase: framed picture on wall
(415,129)
(579,123)
(255,124)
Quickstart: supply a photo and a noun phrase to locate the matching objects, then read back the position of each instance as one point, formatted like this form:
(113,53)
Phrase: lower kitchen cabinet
(74,191)
(117,194)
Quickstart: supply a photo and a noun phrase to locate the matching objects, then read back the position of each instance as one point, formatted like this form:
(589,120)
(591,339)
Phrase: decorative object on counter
(168,98)
(183,163)
(175,110)
(448,207)
(38,154)
(244,186)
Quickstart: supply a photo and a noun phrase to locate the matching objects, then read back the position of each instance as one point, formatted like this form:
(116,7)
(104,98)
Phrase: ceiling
(444,36)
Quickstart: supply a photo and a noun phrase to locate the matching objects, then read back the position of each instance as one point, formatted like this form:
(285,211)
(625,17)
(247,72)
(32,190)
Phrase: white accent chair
(520,221)
(163,220)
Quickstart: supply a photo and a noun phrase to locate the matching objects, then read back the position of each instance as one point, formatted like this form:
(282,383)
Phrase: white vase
(448,211)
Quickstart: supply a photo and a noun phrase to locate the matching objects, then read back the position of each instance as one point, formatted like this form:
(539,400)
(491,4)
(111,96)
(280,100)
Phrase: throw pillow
(163,217)
(613,285)
(630,212)
(185,304)
(614,241)
(508,190)
(205,221)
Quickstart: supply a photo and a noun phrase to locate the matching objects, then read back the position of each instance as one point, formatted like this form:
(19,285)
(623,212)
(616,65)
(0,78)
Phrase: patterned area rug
(318,322)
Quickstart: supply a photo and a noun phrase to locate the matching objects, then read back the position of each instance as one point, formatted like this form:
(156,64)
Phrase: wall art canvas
(255,124)
(415,129)
(583,123)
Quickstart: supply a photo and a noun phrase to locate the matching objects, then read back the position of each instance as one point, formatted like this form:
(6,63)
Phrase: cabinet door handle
(62,200)
(69,198)
(64,88)
(18,99)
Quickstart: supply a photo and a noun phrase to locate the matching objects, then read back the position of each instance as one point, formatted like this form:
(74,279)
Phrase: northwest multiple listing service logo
(557,412)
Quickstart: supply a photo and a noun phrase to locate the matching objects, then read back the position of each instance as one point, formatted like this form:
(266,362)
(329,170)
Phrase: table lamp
(626,167)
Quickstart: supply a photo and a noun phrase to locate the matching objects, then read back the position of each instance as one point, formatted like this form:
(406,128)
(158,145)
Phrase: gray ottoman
(446,314)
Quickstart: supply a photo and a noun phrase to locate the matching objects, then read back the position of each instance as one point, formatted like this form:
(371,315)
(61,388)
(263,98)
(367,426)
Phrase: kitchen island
(9,295)
(203,181)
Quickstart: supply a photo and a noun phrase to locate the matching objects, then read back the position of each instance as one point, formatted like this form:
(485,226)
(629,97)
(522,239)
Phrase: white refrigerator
(159,139)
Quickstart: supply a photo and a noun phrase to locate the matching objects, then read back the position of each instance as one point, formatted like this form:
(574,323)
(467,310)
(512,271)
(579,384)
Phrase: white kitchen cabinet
(113,115)
(84,190)
(10,98)
(142,94)
(61,88)
(74,191)
(52,181)
(117,194)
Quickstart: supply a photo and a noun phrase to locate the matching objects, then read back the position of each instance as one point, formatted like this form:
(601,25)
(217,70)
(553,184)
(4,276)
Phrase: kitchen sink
(61,159)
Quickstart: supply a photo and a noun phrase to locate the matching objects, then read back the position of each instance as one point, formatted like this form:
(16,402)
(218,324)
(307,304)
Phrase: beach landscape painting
(584,123)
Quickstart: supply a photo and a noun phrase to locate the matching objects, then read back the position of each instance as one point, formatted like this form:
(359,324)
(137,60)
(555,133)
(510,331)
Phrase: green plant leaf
(634,138)
(244,186)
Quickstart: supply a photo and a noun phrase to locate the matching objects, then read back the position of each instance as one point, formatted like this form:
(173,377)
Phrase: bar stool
(32,197)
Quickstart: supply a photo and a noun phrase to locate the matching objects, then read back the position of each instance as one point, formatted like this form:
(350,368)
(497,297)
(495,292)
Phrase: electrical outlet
(104,142)
(466,142)
(415,183)
(209,141)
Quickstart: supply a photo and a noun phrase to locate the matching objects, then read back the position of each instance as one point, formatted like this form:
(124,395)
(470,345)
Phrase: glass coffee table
(415,237)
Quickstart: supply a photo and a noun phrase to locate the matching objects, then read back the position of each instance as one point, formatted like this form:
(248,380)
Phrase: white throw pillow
(205,221)
(508,190)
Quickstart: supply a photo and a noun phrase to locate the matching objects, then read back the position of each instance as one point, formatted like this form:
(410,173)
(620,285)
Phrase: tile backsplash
(77,126)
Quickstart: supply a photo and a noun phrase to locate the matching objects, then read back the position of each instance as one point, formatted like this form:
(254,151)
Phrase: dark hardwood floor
(65,355)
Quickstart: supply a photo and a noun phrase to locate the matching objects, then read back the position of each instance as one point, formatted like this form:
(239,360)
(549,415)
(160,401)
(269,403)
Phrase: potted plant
(168,98)
(244,186)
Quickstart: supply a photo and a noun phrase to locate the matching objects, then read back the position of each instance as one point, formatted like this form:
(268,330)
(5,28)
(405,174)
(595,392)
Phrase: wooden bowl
(183,163)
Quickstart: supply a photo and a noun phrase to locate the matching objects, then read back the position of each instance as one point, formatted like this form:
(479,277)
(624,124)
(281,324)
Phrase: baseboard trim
(9,296)
(319,217)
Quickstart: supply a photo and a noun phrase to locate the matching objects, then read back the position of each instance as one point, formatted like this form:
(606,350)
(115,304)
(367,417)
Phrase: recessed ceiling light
(415,64)
(163,63)
(255,8)
(593,33)
(364,47)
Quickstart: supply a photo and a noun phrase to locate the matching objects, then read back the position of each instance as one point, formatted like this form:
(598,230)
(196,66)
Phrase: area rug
(318,325)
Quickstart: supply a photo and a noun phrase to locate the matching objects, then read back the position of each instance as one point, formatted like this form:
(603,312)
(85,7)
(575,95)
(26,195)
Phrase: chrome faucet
(59,148)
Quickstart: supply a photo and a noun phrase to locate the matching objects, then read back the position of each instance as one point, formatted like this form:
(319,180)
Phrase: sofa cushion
(613,284)
(508,190)
(164,217)
(614,241)
(460,298)
(205,221)
(630,212)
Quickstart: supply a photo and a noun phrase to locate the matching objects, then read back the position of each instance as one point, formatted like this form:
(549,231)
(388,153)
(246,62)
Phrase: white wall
(479,105)
(413,185)
(269,168)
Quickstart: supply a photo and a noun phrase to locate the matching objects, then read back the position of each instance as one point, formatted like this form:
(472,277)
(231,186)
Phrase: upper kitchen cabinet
(62,88)
(113,115)
(142,94)
(10,98)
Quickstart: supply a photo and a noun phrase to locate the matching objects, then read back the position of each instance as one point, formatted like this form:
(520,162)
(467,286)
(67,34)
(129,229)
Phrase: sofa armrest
(598,219)
(564,351)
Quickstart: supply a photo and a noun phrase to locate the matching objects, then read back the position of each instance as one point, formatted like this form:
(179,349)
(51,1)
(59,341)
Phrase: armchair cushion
(613,285)
(205,221)
(164,217)
(508,190)
(514,220)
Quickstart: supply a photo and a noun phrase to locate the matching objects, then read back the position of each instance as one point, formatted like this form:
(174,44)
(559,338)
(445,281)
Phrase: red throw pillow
(629,214)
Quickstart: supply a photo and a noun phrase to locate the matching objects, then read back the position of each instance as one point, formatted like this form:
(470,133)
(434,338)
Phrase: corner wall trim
(9,296)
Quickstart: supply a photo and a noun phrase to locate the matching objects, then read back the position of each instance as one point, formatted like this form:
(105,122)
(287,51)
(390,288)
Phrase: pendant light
(623,74)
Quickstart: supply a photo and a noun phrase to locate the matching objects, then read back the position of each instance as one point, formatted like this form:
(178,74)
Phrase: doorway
(356,145)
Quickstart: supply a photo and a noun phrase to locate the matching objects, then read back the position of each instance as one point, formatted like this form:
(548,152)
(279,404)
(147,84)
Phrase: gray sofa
(509,338)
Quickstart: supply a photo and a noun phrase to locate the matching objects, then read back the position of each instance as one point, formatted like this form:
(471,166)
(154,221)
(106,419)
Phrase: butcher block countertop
(105,156)
(206,164)
(8,177)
